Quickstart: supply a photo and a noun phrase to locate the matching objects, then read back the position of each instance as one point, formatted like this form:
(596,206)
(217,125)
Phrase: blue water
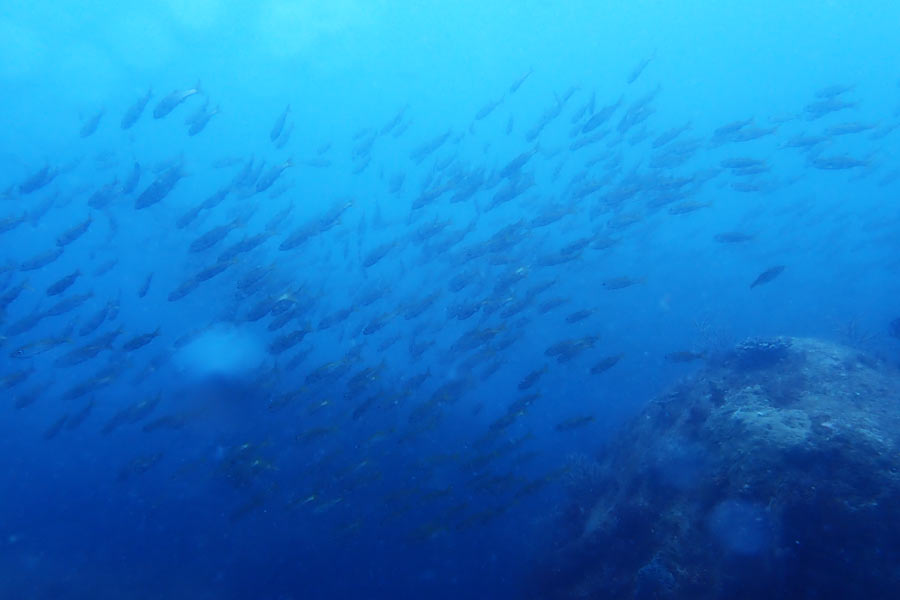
(207,464)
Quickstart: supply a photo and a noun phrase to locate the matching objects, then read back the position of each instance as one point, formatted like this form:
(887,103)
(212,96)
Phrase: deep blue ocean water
(393,405)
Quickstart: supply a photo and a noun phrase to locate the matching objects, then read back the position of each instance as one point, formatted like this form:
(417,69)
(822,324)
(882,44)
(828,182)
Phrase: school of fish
(384,321)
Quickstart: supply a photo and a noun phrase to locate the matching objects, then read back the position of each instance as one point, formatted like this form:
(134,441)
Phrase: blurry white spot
(225,351)
(741,527)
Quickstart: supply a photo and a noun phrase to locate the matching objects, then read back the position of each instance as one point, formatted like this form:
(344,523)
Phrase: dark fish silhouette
(160,187)
(895,328)
(733,237)
(133,179)
(170,102)
(684,356)
(639,68)
(38,179)
(135,111)
(767,275)
(278,127)
(90,126)
(605,364)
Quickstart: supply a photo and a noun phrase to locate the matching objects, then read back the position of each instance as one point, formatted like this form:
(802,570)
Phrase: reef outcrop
(772,473)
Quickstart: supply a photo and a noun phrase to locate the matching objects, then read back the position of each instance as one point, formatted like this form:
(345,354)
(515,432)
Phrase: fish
(670,135)
(585,109)
(29,397)
(85,353)
(216,198)
(68,304)
(287,341)
(96,320)
(767,275)
(161,187)
(487,109)
(685,356)
(200,119)
(165,422)
(244,245)
(820,108)
(282,320)
(278,126)
(172,100)
(39,261)
(638,112)
(741,163)
(837,163)
(213,236)
(567,349)
(104,196)
(90,126)
(78,418)
(115,306)
(57,426)
(605,364)
(805,141)
(551,304)
(424,150)
(26,323)
(395,121)
(10,223)
(733,237)
(579,315)
(272,175)
(379,322)
(532,378)
(574,423)
(63,284)
(139,341)
(131,414)
(73,233)
(36,348)
(138,466)
(377,253)
(135,111)
(145,287)
(133,179)
(619,283)
(39,179)
(513,168)
(639,68)
(514,87)
(602,116)
(189,216)
(894,329)
(848,128)
(11,294)
(833,90)
(688,207)
(752,133)
(730,131)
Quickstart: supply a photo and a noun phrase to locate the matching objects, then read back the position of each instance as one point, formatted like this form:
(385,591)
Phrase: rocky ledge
(772,473)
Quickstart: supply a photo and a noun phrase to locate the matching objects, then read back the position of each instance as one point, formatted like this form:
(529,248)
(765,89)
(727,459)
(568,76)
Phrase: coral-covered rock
(774,473)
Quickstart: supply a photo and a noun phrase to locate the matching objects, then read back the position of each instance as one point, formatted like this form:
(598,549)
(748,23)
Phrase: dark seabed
(368,299)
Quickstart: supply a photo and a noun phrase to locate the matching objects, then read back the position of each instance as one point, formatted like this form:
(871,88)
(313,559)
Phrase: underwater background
(339,299)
